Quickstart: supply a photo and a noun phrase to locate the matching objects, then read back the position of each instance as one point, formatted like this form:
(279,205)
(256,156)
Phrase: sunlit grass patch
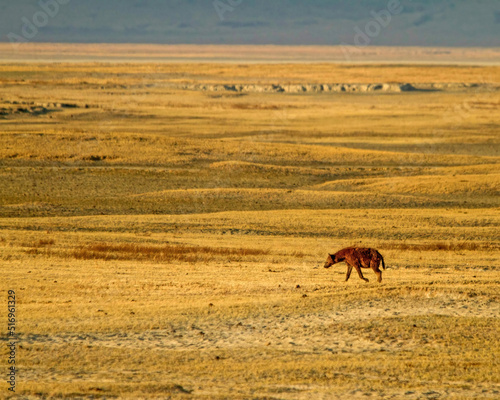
(459,333)
(442,246)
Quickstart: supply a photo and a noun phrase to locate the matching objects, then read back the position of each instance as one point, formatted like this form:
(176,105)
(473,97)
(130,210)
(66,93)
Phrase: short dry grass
(272,324)
(165,243)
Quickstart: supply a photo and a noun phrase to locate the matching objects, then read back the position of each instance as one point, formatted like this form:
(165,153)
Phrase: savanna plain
(164,227)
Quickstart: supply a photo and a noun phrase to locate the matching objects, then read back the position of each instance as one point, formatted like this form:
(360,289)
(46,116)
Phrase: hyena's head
(330,261)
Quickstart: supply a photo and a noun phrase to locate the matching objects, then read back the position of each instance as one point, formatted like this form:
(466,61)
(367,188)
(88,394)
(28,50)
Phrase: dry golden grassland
(169,243)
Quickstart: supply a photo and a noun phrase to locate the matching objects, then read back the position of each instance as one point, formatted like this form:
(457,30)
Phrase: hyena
(357,257)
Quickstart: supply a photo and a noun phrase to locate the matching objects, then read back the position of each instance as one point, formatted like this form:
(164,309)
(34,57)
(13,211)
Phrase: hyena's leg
(358,268)
(375,266)
(349,270)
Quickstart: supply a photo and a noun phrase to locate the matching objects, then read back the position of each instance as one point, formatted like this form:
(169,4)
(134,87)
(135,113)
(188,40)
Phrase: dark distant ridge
(459,23)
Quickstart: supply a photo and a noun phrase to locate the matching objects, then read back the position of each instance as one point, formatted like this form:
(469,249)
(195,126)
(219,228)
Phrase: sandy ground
(308,332)
(317,333)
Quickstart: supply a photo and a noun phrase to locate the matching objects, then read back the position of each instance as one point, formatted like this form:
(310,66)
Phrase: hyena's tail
(383,263)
